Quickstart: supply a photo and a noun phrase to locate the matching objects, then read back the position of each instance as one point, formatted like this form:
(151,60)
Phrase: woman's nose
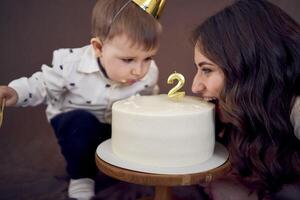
(198,86)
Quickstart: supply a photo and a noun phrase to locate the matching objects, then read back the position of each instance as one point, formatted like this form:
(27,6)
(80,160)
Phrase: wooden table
(162,182)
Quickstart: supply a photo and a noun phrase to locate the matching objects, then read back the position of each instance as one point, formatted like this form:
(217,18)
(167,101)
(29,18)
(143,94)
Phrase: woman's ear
(97,46)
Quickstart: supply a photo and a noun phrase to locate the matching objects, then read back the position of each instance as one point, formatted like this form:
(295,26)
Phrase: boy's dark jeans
(79,133)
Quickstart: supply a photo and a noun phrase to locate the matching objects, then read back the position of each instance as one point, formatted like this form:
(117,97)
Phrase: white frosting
(156,131)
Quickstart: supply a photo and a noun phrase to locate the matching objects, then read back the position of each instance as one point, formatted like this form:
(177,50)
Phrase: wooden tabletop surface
(151,179)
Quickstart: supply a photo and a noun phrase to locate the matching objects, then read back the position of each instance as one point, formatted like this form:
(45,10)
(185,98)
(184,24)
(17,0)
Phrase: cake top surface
(162,105)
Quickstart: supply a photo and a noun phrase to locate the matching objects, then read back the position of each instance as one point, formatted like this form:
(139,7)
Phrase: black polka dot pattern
(107,85)
(88,102)
(71,50)
(61,67)
(30,95)
(72,84)
(146,86)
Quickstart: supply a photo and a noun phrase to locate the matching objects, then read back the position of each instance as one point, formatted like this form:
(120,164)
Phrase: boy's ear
(97,45)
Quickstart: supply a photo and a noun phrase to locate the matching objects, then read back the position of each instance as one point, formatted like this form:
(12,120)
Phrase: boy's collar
(102,68)
(88,62)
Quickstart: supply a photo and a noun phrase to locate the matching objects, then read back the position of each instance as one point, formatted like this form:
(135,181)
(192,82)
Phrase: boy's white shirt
(75,82)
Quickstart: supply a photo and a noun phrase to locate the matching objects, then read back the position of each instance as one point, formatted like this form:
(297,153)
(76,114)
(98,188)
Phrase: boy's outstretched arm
(9,94)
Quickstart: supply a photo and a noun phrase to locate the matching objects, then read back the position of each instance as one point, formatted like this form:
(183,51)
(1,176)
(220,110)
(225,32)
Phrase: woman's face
(209,79)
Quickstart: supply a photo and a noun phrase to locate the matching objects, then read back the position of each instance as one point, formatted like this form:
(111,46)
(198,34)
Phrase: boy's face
(123,62)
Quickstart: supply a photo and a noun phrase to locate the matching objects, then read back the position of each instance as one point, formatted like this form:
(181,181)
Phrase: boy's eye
(127,60)
(148,59)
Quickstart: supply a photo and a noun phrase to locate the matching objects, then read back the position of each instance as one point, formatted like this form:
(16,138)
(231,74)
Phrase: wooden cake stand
(162,182)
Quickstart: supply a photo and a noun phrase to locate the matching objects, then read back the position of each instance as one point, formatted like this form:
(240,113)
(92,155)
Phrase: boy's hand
(9,94)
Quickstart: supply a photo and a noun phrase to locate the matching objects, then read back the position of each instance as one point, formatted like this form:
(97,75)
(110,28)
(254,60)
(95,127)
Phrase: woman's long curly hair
(257,45)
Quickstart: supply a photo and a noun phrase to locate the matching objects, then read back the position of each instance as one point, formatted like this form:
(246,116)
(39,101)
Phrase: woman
(248,61)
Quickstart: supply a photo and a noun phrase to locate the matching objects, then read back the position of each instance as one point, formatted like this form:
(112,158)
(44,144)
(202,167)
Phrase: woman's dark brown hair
(257,45)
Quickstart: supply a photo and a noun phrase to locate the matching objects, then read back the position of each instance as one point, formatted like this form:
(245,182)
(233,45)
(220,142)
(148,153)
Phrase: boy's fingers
(2,103)
(1,111)
(3,97)
(10,101)
(9,95)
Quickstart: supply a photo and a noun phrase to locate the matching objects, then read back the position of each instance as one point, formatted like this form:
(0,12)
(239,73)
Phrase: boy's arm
(48,84)
(36,89)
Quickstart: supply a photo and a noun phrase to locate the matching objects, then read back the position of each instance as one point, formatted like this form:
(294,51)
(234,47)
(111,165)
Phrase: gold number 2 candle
(174,93)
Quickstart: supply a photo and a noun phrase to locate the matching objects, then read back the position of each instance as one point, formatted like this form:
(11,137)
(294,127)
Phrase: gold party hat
(153,7)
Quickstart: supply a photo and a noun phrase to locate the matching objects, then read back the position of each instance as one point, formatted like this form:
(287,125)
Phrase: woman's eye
(127,60)
(206,70)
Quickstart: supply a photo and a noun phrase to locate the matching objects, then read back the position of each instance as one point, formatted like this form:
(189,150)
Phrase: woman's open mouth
(209,99)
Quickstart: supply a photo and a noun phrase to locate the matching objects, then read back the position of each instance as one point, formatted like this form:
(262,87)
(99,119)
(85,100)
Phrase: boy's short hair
(141,28)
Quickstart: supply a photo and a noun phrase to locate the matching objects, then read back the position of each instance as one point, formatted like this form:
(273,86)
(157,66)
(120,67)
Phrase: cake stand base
(163,182)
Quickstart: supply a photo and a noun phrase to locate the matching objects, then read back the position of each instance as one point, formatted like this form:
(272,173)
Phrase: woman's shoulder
(295,117)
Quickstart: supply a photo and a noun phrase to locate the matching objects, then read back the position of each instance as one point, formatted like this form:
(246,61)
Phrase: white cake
(156,131)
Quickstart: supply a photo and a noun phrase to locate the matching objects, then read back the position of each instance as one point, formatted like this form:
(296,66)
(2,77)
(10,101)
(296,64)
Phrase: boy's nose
(137,70)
